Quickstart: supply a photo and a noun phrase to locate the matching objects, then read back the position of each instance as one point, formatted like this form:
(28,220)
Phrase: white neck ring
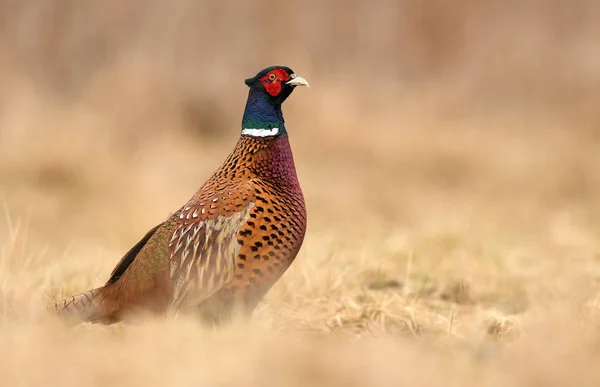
(260,132)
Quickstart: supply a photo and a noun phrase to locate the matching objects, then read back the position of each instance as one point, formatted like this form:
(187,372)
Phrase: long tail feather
(83,307)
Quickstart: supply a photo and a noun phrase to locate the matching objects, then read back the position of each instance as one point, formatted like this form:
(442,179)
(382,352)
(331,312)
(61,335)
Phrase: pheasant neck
(262,116)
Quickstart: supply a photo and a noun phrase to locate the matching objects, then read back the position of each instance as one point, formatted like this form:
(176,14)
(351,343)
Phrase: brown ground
(448,155)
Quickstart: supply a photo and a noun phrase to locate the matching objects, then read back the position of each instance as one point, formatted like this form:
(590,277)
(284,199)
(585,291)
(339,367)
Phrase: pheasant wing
(128,258)
(203,254)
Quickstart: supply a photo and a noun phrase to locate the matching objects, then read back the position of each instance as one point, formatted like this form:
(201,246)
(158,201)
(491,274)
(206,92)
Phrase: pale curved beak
(297,81)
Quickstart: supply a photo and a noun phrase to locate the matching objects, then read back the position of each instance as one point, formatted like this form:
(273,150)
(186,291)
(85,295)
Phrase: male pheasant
(230,242)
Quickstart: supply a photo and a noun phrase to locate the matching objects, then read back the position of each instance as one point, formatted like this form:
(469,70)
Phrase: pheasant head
(268,90)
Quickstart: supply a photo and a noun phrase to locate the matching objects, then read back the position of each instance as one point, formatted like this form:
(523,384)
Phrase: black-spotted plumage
(234,238)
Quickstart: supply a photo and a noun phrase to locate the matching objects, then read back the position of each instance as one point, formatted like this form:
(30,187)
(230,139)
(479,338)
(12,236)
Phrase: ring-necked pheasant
(231,241)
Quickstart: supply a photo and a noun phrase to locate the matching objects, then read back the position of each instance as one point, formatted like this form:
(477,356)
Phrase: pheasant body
(228,245)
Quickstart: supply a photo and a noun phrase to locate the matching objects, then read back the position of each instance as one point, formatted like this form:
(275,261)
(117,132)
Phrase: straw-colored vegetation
(448,152)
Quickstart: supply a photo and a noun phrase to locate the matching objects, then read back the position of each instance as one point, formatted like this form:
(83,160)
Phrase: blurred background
(447,150)
(425,119)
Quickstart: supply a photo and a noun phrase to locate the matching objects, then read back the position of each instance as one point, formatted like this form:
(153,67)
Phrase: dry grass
(448,156)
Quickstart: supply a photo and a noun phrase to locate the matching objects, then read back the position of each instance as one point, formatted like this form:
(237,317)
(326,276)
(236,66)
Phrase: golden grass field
(452,186)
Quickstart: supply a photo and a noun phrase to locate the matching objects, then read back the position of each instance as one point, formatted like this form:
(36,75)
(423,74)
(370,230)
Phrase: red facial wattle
(273,86)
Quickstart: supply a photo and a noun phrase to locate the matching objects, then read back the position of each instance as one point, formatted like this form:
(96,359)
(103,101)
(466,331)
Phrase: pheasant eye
(272,77)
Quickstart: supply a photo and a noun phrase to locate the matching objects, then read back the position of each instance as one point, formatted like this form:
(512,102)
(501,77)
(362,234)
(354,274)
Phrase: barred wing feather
(203,255)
